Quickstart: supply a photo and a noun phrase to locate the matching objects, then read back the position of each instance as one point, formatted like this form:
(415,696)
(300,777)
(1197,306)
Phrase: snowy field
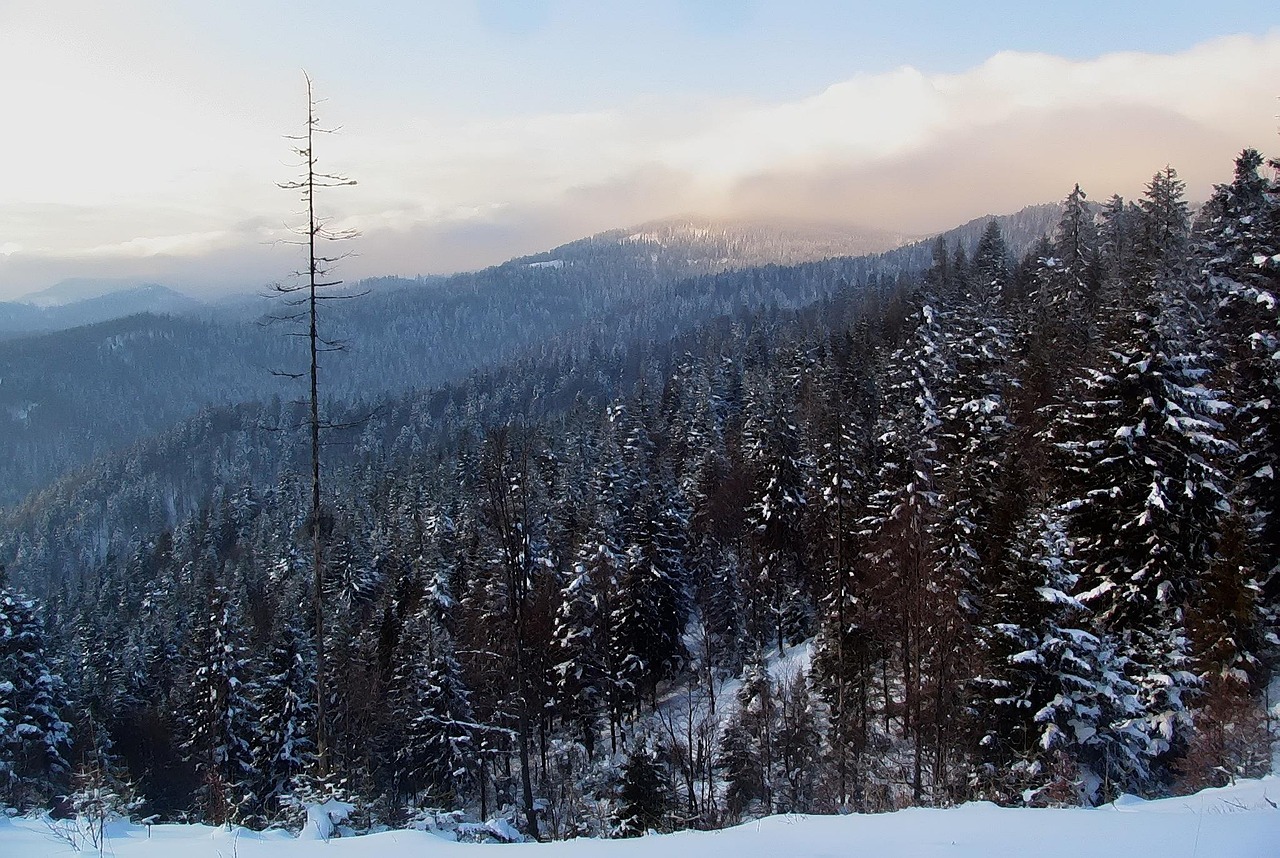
(1234,822)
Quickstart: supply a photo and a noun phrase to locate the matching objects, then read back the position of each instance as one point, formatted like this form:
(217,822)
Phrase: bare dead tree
(303,297)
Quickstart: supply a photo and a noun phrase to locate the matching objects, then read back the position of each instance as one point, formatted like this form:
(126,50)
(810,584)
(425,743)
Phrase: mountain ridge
(18,318)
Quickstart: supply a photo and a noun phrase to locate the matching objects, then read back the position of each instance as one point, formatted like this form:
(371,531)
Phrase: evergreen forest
(989,517)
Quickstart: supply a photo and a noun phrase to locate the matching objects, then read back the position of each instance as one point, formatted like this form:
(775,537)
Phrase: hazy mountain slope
(75,289)
(684,247)
(68,397)
(18,318)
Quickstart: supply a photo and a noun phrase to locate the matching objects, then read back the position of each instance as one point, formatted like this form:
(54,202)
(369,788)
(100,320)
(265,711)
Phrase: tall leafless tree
(303,297)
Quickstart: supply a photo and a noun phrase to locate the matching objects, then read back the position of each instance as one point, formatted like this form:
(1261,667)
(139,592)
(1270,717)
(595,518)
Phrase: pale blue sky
(509,56)
(143,138)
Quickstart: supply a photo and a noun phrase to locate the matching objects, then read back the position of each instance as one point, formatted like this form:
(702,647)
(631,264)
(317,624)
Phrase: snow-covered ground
(1240,821)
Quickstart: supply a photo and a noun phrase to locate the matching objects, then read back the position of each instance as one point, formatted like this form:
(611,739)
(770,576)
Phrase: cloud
(1011,130)
(182,178)
(991,169)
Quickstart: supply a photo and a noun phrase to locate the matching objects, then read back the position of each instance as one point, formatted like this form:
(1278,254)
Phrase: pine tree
(580,642)
(776,518)
(644,797)
(221,717)
(652,606)
(1076,248)
(517,561)
(1117,239)
(34,740)
(715,564)
(902,515)
(746,747)
(1239,245)
(286,730)
(441,751)
(316,285)
(1141,434)
(1057,711)
(1067,297)
(1163,234)
(846,648)
(797,747)
(990,263)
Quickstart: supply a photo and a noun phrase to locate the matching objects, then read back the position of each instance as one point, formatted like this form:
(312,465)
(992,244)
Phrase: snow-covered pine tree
(900,525)
(644,797)
(974,435)
(1079,264)
(1118,239)
(1067,292)
(517,579)
(581,640)
(990,263)
(1141,433)
(286,729)
(1060,722)
(34,739)
(220,715)
(776,512)
(846,648)
(652,606)
(1239,245)
(796,747)
(746,755)
(710,482)
(1228,631)
(440,756)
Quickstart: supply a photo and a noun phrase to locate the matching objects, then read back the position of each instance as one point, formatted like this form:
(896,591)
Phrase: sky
(145,140)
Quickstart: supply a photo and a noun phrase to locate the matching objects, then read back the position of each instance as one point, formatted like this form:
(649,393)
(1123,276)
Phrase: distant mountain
(688,246)
(77,289)
(57,308)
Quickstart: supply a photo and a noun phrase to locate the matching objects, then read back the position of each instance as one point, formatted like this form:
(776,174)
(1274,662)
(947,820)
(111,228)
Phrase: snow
(794,661)
(323,819)
(1241,821)
(550,263)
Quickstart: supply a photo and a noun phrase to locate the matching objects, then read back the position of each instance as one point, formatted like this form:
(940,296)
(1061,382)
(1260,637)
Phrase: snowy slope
(1234,822)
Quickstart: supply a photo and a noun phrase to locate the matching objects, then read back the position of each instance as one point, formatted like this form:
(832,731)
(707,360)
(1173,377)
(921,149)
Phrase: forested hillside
(72,396)
(954,522)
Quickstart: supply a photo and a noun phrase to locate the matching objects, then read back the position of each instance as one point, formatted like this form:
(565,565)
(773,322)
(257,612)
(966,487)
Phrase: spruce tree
(1141,434)
(34,739)
(797,747)
(644,797)
(220,716)
(903,512)
(286,731)
(1239,249)
(581,644)
(1057,713)
(746,755)
(440,755)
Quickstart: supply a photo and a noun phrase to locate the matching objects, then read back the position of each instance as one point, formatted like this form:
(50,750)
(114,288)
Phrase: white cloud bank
(115,169)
